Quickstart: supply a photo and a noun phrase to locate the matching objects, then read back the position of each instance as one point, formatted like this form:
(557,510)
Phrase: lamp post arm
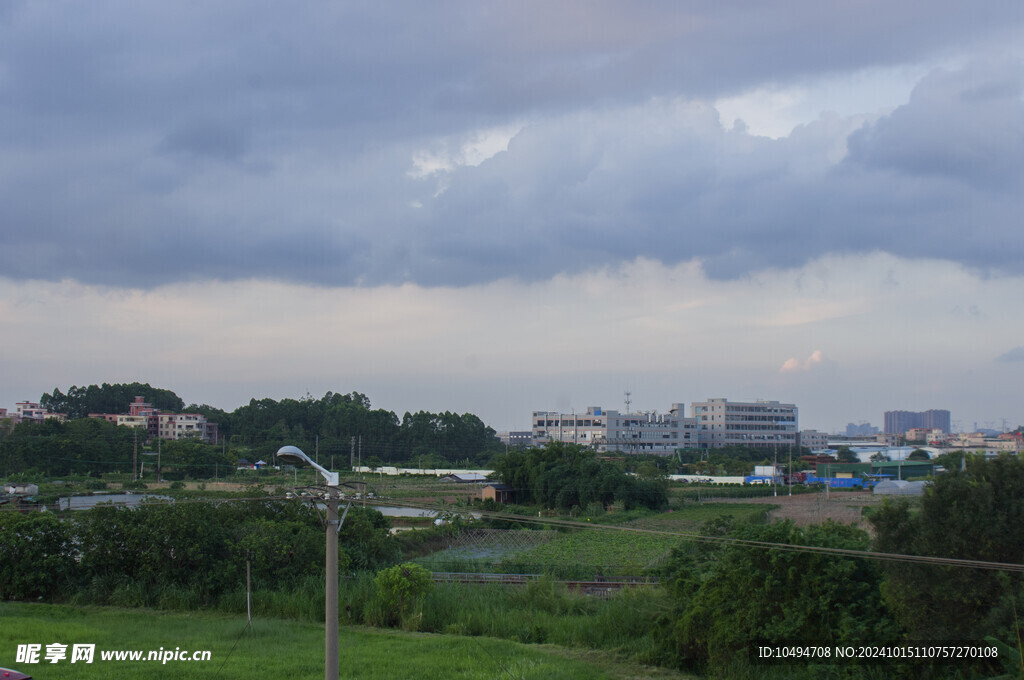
(330,477)
(294,452)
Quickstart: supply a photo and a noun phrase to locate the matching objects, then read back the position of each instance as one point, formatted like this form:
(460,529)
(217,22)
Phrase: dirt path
(846,507)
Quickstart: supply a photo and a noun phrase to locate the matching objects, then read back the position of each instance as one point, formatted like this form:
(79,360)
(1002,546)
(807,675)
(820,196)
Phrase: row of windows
(600,423)
(743,409)
(568,423)
(750,419)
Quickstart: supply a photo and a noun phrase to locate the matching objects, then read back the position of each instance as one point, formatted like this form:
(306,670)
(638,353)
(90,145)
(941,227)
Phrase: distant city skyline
(506,208)
(863,428)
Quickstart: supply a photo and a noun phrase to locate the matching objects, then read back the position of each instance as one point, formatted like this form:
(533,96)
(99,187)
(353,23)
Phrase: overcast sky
(507,207)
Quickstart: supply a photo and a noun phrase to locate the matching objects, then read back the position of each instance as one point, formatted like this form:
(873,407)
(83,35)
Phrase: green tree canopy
(79,402)
(974,514)
(845,455)
(727,596)
(561,475)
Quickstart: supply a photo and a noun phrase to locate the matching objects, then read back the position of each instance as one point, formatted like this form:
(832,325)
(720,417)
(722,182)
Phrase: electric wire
(572,524)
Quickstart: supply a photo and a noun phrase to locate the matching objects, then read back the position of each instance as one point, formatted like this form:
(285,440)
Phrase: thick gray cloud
(145,144)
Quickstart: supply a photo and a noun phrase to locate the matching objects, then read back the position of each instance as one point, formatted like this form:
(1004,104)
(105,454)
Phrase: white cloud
(793,364)
(471,149)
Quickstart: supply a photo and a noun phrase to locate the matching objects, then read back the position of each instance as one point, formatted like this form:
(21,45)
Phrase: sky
(498,208)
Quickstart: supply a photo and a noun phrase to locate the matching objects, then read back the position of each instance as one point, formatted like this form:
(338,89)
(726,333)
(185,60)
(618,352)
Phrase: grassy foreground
(277,648)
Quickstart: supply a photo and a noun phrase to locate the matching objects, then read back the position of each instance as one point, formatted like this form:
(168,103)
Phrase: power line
(840,552)
(722,540)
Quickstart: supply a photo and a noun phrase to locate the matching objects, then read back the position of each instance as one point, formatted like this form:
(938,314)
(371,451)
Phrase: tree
(561,475)
(974,514)
(727,596)
(919,454)
(845,455)
(37,552)
(365,541)
(191,458)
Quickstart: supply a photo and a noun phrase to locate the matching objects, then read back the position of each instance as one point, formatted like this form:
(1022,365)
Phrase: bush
(399,589)
(36,556)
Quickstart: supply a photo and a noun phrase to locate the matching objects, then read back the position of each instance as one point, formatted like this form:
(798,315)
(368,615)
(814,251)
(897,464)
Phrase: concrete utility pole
(331,586)
(294,455)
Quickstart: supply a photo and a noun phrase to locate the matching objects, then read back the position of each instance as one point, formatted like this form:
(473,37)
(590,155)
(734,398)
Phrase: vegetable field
(590,553)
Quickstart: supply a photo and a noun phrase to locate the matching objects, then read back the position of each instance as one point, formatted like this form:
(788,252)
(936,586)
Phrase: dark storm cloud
(146,144)
(939,177)
(964,126)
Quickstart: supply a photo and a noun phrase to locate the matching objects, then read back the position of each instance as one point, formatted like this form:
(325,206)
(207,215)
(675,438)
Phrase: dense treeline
(565,476)
(341,426)
(51,448)
(79,402)
(91,446)
(345,424)
(736,460)
(195,551)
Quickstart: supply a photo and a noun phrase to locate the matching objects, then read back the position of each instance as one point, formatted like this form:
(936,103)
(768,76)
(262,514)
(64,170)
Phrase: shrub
(399,589)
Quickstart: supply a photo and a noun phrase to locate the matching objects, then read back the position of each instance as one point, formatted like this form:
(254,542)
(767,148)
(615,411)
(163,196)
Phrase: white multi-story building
(605,430)
(30,411)
(767,424)
(182,426)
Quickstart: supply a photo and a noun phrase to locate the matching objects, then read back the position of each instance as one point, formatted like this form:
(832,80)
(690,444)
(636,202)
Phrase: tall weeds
(542,611)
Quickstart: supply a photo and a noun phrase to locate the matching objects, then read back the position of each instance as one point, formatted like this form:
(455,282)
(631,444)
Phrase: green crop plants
(589,553)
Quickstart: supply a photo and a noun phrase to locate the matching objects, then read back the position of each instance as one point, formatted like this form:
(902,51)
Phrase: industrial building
(768,424)
(609,430)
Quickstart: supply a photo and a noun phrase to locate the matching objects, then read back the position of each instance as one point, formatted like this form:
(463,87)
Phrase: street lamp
(295,456)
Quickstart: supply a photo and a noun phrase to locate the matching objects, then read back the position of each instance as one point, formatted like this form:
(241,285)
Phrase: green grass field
(586,553)
(274,648)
